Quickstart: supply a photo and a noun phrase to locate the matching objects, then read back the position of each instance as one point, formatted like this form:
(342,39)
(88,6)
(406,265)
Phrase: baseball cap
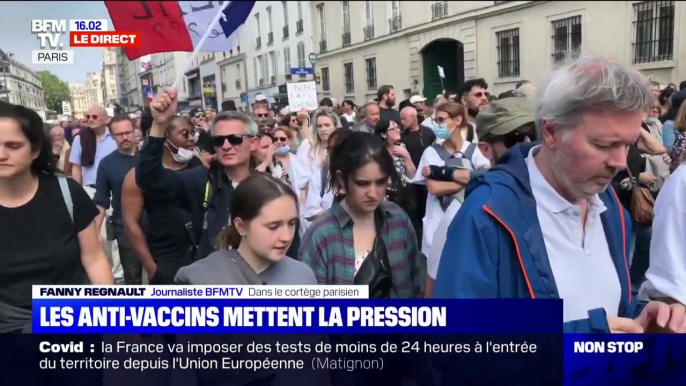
(195,111)
(504,116)
(260,98)
(417,98)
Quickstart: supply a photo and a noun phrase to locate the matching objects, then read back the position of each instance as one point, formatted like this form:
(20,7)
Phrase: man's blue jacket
(495,246)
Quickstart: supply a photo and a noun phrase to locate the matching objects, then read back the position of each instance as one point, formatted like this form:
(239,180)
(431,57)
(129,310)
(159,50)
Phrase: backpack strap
(444,154)
(66,195)
(471,148)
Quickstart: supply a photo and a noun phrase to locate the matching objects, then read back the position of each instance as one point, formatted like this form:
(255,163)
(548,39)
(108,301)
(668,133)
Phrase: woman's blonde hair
(316,142)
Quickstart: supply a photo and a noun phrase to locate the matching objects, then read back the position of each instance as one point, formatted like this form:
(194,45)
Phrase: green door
(448,54)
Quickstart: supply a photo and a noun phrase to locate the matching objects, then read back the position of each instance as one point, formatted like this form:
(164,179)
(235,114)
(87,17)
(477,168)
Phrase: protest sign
(302,94)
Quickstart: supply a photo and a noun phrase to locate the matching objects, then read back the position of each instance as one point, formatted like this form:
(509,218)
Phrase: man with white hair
(206,194)
(546,224)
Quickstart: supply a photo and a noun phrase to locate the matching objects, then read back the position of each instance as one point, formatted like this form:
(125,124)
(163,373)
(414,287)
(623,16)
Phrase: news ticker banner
(82,33)
(277,309)
(489,359)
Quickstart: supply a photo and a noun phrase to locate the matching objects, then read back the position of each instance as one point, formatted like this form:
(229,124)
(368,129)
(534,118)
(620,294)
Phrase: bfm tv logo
(82,33)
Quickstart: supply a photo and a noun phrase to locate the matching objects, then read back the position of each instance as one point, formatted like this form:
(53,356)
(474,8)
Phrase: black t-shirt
(111,173)
(39,242)
(390,114)
(417,141)
(165,230)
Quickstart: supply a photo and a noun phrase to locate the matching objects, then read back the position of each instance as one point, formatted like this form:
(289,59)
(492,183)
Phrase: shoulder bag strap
(324,172)
(66,195)
(631,179)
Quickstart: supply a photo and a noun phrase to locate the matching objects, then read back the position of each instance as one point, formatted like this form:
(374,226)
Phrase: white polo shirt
(580,258)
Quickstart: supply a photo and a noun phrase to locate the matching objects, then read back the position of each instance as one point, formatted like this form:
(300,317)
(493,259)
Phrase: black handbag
(375,270)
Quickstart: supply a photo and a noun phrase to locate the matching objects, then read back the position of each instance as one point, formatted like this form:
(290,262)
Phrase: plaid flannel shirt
(328,249)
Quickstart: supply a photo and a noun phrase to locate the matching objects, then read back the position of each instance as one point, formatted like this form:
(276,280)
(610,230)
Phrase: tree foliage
(56,91)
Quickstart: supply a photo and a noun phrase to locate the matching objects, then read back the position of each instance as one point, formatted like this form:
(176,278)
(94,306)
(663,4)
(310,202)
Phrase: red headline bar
(105,39)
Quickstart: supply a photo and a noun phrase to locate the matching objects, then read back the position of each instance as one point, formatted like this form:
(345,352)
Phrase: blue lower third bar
(296,316)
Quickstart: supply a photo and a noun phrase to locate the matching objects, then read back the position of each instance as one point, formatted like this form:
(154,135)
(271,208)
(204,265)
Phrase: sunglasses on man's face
(280,139)
(515,137)
(234,139)
(95,117)
(200,115)
(266,115)
(481,94)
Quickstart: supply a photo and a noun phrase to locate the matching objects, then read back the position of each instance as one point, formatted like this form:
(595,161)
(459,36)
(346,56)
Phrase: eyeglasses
(91,116)
(280,139)
(122,134)
(266,115)
(188,133)
(442,119)
(234,139)
(199,115)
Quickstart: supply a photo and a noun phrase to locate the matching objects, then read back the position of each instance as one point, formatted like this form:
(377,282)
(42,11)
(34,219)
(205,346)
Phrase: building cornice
(476,14)
(231,60)
(10,75)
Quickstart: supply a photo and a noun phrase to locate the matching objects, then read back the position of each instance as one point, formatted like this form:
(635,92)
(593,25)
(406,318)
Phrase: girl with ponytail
(252,247)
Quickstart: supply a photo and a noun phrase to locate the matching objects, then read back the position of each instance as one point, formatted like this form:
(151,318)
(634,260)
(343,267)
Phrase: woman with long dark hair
(264,213)
(389,132)
(364,239)
(669,130)
(47,227)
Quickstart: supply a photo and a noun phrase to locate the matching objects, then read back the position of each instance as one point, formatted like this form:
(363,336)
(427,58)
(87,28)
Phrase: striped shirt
(329,250)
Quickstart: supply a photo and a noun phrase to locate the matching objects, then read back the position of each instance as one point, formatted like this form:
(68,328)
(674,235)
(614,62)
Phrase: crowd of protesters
(571,189)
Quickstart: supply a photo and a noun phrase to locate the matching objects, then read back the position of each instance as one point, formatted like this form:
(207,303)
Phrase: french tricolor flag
(168,26)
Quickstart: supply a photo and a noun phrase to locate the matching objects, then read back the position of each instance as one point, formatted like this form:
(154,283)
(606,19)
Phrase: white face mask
(651,121)
(182,155)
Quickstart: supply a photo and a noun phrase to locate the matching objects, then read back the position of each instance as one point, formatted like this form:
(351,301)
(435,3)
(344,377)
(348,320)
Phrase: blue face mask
(441,131)
(283,150)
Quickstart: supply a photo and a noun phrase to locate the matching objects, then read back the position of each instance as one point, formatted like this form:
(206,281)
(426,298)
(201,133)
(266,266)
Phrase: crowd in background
(569,189)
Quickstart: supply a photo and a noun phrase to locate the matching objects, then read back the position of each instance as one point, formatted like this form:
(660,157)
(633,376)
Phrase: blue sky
(16,36)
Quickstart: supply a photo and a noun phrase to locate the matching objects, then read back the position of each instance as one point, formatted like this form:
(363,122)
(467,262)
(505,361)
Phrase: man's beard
(562,171)
(472,112)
